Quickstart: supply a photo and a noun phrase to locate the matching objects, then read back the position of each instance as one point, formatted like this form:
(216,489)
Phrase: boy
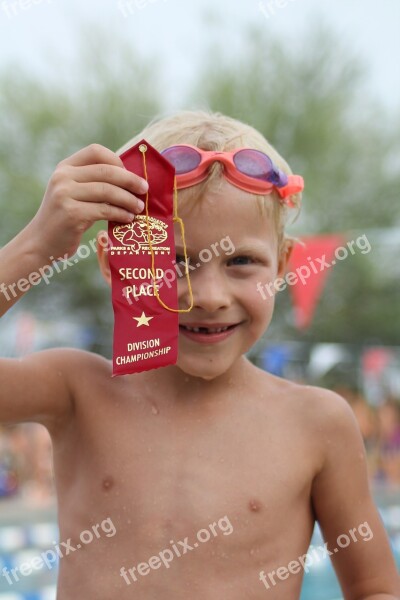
(212,471)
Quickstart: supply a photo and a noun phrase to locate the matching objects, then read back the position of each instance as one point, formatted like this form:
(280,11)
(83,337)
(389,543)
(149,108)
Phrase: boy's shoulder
(320,406)
(71,362)
(86,375)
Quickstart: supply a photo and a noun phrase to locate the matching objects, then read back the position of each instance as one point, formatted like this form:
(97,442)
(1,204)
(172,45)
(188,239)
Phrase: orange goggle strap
(176,218)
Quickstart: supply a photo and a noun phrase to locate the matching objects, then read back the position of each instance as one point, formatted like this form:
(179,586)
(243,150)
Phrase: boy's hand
(89,186)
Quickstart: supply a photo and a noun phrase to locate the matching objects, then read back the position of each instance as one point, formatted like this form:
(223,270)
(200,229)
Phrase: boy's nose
(210,291)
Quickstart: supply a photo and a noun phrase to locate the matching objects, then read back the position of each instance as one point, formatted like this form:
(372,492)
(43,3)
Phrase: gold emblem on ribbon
(134,236)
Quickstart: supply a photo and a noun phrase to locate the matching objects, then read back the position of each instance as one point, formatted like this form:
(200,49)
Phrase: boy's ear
(287,249)
(102,255)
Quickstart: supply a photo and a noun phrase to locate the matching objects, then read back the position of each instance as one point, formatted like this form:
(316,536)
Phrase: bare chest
(165,477)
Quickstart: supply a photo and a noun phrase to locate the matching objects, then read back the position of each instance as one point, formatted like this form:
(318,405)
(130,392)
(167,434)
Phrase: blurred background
(319,80)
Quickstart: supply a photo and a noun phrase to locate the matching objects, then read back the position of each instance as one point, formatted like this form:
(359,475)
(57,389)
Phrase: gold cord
(176,218)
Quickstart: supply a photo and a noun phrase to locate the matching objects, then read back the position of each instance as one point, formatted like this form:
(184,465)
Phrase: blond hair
(215,131)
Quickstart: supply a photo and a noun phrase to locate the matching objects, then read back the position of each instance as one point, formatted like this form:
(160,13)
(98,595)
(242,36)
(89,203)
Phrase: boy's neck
(180,386)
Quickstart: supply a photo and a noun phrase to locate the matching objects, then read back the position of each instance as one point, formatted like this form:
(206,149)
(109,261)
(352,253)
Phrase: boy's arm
(350,523)
(91,185)
(36,388)
(19,261)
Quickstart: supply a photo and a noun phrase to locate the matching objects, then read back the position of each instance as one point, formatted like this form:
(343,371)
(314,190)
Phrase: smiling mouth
(208,330)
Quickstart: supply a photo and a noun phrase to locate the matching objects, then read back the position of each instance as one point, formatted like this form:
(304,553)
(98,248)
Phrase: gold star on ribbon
(143,320)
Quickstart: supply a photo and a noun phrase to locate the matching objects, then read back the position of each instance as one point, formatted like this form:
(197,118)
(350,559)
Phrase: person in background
(389,441)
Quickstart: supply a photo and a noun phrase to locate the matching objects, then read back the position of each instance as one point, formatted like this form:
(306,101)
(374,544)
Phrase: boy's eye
(241,260)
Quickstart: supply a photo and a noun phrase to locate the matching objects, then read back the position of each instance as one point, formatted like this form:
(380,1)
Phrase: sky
(42,34)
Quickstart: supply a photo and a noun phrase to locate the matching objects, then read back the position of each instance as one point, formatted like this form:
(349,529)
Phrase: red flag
(142,258)
(311,262)
(375,360)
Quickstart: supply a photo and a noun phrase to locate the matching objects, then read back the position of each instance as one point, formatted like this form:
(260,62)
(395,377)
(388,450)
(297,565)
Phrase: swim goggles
(248,169)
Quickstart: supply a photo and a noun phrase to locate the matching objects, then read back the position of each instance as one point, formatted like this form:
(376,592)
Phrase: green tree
(107,98)
(309,99)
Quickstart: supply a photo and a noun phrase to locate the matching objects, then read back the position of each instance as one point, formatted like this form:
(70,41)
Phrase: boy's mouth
(208,332)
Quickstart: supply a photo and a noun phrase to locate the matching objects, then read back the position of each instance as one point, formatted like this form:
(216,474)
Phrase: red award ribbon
(142,263)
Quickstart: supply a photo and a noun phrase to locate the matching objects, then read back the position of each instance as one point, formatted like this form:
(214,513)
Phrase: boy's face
(235,248)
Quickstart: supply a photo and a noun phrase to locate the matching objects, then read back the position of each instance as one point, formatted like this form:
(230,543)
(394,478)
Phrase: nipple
(108,483)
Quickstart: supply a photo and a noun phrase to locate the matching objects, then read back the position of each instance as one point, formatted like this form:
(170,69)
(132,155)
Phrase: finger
(101,192)
(93,154)
(118,176)
(92,212)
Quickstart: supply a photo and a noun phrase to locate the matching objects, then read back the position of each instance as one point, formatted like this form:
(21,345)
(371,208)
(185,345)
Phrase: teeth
(207,329)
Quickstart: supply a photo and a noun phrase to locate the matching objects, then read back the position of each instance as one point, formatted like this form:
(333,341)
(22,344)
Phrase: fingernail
(140,205)
(144,186)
